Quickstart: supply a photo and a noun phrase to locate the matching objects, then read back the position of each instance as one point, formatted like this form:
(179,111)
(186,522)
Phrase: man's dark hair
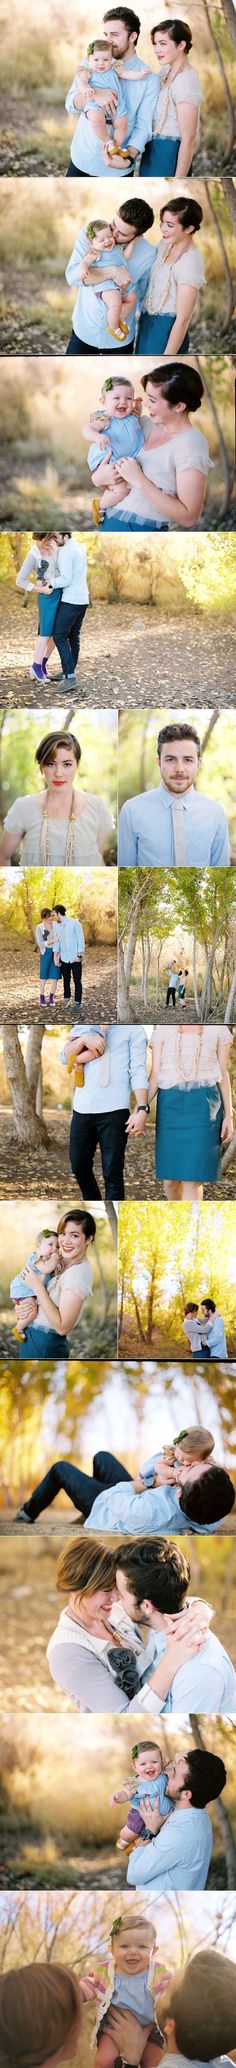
(174,27)
(46,752)
(202,2001)
(124,14)
(173,732)
(208,1499)
(61,909)
(137,213)
(206,1777)
(159,1570)
(189,213)
(83,1219)
(192,1307)
(177,383)
(210,1304)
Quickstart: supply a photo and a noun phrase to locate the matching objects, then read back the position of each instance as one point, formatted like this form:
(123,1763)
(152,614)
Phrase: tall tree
(29,1127)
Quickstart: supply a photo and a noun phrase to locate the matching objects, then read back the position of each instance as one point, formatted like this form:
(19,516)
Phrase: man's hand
(151,1817)
(137,1122)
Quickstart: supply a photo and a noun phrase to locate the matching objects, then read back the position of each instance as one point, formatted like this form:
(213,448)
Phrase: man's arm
(143,123)
(127,853)
(220,851)
(157,1858)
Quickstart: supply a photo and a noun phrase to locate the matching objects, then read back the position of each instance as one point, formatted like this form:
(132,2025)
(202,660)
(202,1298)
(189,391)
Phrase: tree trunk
(195,977)
(221,1814)
(228,98)
(112,1218)
(213,720)
(206,989)
(124,998)
(230,198)
(33,1060)
(138,1319)
(121,1303)
(29,1129)
(230,19)
(151,1301)
(227,474)
(230,1001)
(227,273)
(131,944)
(228,1155)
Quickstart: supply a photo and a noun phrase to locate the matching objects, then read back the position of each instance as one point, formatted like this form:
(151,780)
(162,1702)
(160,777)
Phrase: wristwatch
(143,1109)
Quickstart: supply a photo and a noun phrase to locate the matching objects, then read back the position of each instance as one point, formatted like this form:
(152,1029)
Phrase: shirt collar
(170,797)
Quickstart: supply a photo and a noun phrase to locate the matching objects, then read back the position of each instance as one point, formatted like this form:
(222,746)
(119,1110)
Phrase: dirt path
(19,986)
(23,1168)
(129,654)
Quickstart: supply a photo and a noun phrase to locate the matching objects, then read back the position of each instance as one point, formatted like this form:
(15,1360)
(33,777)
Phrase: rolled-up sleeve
(143,126)
(80,251)
(70,98)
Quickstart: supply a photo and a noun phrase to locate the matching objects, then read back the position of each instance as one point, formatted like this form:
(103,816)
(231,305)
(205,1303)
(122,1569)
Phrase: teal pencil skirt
(188,1133)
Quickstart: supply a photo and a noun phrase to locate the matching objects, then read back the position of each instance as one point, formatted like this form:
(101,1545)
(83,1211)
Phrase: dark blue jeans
(109,1130)
(81,1487)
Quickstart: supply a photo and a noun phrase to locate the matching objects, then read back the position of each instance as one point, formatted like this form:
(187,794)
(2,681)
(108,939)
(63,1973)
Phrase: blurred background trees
(163,1261)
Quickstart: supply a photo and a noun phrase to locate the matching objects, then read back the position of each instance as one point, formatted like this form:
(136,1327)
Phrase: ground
(157,1013)
(129,654)
(29,1862)
(131,1346)
(19,988)
(37,321)
(23,1167)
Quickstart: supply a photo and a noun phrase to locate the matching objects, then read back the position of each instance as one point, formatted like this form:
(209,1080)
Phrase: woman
(194,1107)
(40,2016)
(64,826)
(41,562)
(167,484)
(177,110)
(45,1323)
(199,2008)
(174,282)
(49,973)
(93,1630)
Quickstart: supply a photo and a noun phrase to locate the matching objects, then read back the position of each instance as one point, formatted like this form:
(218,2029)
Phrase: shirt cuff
(148,1700)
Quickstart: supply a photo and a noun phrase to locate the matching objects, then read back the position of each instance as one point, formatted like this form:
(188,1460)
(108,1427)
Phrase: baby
(108,125)
(118,435)
(138,1982)
(184,1459)
(79,1050)
(44,1259)
(148,1769)
(118,300)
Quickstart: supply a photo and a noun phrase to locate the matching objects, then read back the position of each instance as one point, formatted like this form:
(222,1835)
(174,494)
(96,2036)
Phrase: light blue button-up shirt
(179,1857)
(146,831)
(140,95)
(206,1685)
(68,939)
(127,1048)
(124,1513)
(86,149)
(90,315)
(215,1337)
(223,2061)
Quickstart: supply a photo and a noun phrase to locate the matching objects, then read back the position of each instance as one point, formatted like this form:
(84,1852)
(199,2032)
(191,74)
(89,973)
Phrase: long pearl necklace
(187,1076)
(44,843)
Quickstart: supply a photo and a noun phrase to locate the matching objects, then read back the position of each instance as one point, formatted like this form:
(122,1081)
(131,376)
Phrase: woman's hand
(227,1130)
(136,1123)
(130,471)
(31,1279)
(25,1312)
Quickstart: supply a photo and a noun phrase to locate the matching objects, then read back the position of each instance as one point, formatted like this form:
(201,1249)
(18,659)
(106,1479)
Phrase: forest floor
(157,1346)
(24,1168)
(19,985)
(160,1016)
(36,315)
(94,1337)
(28,1861)
(36,137)
(130,653)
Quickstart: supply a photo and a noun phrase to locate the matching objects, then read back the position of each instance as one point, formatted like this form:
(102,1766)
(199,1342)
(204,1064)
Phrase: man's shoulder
(211,804)
(140,805)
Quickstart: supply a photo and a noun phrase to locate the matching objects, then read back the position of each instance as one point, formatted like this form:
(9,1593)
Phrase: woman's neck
(58,803)
(160,433)
(176,66)
(96,1625)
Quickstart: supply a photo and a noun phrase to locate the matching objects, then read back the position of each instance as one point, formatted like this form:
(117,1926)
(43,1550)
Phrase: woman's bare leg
(172,1188)
(191,1191)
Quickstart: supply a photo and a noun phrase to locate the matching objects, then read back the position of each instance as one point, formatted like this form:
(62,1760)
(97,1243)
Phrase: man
(172,980)
(174,825)
(71,575)
(198,2012)
(141,93)
(152,1582)
(180,1848)
(68,945)
(101,1109)
(90,331)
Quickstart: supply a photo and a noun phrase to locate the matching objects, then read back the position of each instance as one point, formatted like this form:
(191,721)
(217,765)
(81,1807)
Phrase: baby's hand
(99,419)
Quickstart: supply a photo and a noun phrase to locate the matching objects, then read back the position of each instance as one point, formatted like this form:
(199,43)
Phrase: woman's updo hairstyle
(180,32)
(46,752)
(177,383)
(189,212)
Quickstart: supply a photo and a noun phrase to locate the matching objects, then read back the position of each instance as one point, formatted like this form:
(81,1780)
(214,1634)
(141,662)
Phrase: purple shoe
(44,671)
(38,672)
